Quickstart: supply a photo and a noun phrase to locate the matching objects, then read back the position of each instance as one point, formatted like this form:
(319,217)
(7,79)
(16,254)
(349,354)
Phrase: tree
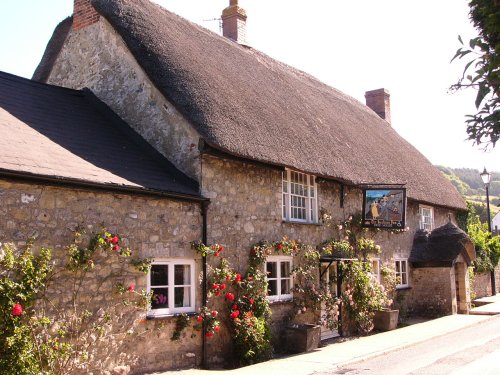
(482,72)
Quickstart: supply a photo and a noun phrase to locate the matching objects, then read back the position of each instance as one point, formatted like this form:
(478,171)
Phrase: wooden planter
(386,320)
(300,338)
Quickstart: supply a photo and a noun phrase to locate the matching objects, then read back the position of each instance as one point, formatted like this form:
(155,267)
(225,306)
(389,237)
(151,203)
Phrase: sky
(354,46)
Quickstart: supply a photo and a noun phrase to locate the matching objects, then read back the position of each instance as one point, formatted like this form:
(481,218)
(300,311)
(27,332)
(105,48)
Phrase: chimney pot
(234,21)
(379,101)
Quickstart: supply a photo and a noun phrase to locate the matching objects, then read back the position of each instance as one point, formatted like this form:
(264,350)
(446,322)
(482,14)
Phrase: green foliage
(482,72)
(363,295)
(23,276)
(487,247)
(181,323)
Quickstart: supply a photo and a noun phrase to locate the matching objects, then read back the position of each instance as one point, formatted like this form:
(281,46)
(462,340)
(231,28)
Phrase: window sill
(300,223)
(406,287)
(280,302)
(168,316)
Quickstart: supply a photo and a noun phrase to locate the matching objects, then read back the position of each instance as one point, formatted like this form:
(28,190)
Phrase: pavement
(329,357)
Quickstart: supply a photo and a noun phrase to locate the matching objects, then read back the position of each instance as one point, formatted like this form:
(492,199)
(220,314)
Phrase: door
(329,280)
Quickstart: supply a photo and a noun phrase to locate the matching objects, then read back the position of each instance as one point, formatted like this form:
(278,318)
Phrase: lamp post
(486,177)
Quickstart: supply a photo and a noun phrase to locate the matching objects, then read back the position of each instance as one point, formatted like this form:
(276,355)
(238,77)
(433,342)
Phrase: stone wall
(153,227)
(96,57)
(482,283)
(433,292)
(246,204)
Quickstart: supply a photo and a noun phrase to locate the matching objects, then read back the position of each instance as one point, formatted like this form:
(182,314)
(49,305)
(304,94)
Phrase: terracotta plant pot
(386,320)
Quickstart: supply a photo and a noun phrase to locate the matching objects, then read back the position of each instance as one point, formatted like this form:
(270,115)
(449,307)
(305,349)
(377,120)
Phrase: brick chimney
(234,21)
(84,14)
(379,101)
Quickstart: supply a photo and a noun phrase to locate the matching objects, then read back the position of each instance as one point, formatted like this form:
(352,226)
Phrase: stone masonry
(152,226)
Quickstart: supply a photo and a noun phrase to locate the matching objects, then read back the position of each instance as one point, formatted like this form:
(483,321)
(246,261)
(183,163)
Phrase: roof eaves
(73,182)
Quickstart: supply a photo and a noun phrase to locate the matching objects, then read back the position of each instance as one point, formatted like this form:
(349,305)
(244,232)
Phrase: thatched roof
(251,106)
(69,136)
(441,247)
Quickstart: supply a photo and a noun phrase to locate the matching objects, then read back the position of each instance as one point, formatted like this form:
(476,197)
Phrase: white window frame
(402,272)
(280,259)
(310,197)
(171,310)
(375,262)
(423,223)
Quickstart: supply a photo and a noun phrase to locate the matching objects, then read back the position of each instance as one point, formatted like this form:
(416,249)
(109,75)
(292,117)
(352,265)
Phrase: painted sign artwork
(384,208)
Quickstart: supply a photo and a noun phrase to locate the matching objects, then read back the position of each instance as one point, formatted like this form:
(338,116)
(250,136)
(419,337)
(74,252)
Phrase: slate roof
(249,105)
(441,247)
(69,135)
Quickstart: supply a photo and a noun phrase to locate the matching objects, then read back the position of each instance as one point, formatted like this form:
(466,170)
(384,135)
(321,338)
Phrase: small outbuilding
(440,260)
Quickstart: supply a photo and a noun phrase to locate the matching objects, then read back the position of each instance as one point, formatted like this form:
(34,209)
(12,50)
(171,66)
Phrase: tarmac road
(472,350)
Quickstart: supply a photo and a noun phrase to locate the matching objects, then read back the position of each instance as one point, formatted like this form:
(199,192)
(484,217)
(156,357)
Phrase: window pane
(285,269)
(160,298)
(272,288)
(182,296)
(159,274)
(182,274)
(398,267)
(403,266)
(285,286)
(272,270)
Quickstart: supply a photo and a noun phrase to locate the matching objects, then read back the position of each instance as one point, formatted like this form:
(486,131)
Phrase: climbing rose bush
(39,335)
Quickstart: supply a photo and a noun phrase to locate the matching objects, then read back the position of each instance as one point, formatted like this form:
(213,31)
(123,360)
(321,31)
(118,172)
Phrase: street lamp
(486,177)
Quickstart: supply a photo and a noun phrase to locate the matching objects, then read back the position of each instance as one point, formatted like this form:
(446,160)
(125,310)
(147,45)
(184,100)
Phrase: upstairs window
(279,278)
(171,283)
(426,220)
(299,197)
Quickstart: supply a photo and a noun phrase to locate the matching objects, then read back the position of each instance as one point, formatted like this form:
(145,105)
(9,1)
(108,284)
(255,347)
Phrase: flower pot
(300,338)
(386,320)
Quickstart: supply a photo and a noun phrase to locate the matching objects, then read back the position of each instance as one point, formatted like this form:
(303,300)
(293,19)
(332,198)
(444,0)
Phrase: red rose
(216,254)
(131,288)
(280,246)
(216,328)
(214,313)
(222,286)
(221,248)
(116,247)
(238,278)
(228,277)
(209,334)
(251,301)
(17,309)
(215,286)
(235,307)
(114,239)
(199,318)
(234,314)
(229,296)
(217,293)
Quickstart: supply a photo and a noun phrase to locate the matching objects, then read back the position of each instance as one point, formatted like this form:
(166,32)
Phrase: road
(473,350)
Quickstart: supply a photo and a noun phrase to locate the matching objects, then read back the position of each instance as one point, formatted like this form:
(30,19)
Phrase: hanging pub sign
(384,208)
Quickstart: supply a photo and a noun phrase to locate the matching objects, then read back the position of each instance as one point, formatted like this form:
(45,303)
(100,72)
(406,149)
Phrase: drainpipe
(204,239)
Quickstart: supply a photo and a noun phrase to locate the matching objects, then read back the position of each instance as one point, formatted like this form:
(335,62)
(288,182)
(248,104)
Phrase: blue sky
(353,46)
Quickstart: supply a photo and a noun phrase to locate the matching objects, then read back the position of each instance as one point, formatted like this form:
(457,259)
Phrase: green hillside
(468,182)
